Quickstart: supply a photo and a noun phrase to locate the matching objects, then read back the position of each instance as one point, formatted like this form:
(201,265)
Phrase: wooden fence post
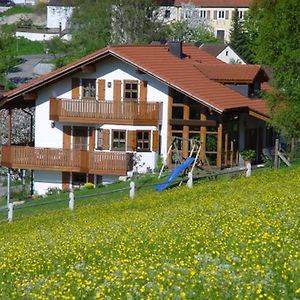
(190,180)
(71,200)
(132,190)
(276,154)
(10,212)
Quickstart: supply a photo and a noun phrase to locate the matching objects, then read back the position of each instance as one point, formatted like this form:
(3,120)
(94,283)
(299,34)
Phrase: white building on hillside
(216,13)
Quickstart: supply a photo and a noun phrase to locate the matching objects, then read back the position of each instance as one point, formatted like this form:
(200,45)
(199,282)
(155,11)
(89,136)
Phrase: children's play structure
(182,164)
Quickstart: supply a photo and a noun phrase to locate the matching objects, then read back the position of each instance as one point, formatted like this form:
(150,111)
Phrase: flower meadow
(224,239)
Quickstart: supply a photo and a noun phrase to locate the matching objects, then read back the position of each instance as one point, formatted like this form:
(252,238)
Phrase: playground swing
(192,160)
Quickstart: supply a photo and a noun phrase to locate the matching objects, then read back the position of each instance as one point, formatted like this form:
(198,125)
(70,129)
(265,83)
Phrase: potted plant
(248,155)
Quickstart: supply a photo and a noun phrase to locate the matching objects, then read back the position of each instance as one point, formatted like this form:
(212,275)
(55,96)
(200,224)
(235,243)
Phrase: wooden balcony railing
(66,160)
(93,111)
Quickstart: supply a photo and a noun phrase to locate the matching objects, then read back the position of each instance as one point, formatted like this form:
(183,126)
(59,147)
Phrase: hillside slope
(221,240)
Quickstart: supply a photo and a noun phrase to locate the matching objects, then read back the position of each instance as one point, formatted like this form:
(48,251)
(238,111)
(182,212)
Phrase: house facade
(217,14)
(223,52)
(115,111)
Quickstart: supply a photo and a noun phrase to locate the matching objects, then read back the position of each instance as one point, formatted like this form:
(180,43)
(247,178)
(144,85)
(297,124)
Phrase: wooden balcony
(93,112)
(64,160)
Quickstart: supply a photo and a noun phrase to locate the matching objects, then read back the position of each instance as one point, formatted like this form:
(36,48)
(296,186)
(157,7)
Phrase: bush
(89,186)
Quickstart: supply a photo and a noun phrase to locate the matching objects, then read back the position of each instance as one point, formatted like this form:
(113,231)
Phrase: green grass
(224,239)
(26,47)
(18,9)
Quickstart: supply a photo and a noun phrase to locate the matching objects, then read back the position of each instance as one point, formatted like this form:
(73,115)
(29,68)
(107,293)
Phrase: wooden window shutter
(215,14)
(117,91)
(67,137)
(226,14)
(105,139)
(155,141)
(143,91)
(131,140)
(101,89)
(92,135)
(65,180)
(75,88)
(208,14)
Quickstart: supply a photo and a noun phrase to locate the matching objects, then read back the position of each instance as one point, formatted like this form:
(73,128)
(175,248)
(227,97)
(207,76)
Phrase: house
(117,109)
(59,13)
(217,14)
(223,52)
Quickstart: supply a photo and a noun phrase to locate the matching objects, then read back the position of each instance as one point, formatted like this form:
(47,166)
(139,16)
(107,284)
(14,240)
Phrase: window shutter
(208,14)
(65,180)
(117,91)
(75,88)
(226,14)
(131,140)
(101,89)
(92,138)
(155,141)
(105,139)
(215,14)
(67,137)
(143,91)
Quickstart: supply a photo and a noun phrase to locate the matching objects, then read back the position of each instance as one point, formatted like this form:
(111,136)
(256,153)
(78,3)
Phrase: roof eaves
(217,109)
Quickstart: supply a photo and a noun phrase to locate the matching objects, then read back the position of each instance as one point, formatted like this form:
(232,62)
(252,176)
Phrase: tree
(7,59)
(239,39)
(135,22)
(192,28)
(274,27)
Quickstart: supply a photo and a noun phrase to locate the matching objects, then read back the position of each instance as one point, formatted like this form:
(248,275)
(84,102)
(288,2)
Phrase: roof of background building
(61,3)
(213,48)
(183,75)
(209,3)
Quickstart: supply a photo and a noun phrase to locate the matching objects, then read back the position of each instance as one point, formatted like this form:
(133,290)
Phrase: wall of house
(59,15)
(36,36)
(43,180)
(229,56)
(211,19)
(50,135)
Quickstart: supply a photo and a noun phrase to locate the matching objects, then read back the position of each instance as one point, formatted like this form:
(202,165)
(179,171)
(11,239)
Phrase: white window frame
(203,14)
(221,15)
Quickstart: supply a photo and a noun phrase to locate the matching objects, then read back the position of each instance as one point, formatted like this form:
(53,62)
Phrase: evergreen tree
(239,40)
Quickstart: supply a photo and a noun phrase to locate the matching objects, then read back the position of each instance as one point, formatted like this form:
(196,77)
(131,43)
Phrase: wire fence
(71,200)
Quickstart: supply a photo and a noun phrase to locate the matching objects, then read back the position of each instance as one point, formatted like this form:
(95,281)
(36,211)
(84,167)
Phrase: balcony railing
(66,160)
(94,111)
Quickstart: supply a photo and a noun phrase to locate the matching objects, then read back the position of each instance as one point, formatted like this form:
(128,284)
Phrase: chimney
(175,47)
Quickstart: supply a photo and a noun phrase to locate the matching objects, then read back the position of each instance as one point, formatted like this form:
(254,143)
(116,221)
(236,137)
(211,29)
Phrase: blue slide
(162,186)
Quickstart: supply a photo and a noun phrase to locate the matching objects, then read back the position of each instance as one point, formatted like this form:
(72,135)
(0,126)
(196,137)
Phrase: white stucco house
(223,52)
(217,14)
(117,109)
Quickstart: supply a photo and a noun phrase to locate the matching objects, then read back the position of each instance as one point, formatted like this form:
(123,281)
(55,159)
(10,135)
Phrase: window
(119,140)
(131,90)
(221,14)
(89,88)
(220,35)
(241,15)
(80,138)
(202,14)
(143,140)
(167,14)
(78,179)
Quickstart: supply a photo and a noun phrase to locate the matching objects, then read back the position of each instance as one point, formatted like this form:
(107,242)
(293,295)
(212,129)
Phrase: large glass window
(119,140)
(131,90)
(80,138)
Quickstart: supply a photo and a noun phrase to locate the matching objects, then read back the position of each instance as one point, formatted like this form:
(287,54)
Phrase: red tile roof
(210,3)
(231,73)
(181,74)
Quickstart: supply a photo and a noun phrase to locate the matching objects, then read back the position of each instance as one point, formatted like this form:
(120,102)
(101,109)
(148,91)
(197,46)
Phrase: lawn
(224,239)
(18,9)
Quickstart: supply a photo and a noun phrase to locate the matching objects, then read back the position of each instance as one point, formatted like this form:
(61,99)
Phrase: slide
(162,186)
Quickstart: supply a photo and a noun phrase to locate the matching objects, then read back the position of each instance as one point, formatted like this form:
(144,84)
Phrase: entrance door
(254,141)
